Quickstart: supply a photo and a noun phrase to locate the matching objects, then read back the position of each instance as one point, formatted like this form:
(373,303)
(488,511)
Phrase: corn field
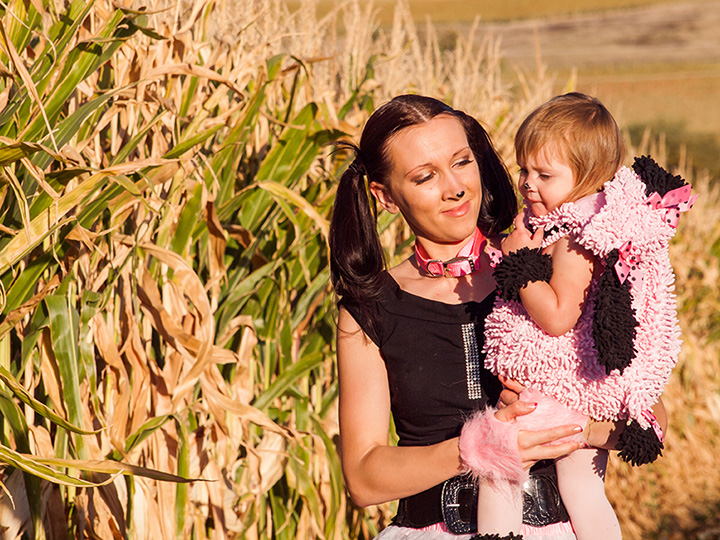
(167,332)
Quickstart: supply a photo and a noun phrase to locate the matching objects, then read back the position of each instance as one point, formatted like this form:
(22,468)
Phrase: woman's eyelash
(424,178)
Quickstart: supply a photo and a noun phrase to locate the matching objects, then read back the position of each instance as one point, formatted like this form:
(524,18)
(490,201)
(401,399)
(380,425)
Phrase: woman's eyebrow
(420,166)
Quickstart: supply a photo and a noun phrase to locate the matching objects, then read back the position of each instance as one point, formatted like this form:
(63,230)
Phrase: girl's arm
(376,472)
(555,306)
(605,434)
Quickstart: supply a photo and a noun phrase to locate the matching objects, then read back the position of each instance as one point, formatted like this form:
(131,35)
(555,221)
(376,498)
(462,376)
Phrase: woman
(409,337)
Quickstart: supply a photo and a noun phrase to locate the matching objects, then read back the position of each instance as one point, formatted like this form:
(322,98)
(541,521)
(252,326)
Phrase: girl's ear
(384,198)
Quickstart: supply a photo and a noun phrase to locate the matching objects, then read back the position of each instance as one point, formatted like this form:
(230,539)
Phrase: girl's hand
(521,237)
(533,445)
(510,392)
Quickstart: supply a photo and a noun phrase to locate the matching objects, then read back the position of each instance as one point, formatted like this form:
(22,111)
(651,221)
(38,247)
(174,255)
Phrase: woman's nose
(453,185)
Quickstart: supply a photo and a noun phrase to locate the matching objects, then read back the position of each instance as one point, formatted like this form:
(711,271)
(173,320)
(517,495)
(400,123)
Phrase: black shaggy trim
(655,177)
(520,268)
(614,324)
(495,536)
(639,446)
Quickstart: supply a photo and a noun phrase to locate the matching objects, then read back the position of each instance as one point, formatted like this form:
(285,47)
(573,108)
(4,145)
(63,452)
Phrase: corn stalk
(167,329)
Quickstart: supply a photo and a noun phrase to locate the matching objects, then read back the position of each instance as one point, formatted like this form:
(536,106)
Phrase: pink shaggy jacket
(566,367)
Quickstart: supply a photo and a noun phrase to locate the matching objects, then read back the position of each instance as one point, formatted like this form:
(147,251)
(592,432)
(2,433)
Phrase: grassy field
(458,11)
(682,105)
(662,75)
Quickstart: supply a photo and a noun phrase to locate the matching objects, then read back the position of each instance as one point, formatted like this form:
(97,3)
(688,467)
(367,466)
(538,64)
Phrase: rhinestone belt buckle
(459,504)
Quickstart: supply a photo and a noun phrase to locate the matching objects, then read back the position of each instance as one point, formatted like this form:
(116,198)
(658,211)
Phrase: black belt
(455,503)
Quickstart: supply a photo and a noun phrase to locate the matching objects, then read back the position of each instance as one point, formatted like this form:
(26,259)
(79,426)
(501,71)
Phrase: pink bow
(673,202)
(495,256)
(628,265)
(650,417)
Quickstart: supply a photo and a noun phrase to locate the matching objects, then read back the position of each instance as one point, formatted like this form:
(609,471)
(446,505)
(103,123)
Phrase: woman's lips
(459,210)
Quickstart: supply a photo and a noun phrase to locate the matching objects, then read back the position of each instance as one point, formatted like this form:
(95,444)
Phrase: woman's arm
(376,472)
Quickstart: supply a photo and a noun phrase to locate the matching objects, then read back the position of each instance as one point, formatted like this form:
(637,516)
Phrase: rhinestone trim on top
(472,361)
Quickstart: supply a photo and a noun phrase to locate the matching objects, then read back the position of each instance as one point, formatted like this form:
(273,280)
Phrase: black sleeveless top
(432,353)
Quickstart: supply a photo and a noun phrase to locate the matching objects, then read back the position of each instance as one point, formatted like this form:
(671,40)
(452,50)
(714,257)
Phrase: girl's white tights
(581,480)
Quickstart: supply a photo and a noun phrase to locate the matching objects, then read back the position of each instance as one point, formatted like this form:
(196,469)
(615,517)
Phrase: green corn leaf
(64,327)
(91,301)
(185,146)
(143,432)
(337,485)
(24,286)
(306,488)
(43,410)
(15,151)
(20,25)
(31,465)
(115,467)
(280,191)
(233,302)
(133,143)
(61,34)
(225,162)
(87,57)
(273,65)
(318,286)
(183,468)
(191,214)
(41,467)
(291,150)
(70,126)
(287,378)
(33,487)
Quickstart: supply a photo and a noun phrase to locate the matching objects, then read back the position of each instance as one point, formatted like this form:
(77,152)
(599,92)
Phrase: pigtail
(356,255)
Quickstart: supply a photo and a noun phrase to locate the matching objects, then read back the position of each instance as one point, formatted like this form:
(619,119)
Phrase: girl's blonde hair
(579,129)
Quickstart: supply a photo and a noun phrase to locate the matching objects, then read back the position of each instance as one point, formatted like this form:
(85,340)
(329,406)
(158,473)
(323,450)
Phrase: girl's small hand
(521,237)
(510,392)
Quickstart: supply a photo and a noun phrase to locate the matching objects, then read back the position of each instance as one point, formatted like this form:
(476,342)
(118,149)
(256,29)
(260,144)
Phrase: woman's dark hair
(356,256)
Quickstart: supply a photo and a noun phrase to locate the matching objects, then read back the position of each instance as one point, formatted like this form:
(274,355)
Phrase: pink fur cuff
(489,450)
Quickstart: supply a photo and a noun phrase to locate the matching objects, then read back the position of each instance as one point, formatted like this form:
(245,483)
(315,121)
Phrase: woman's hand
(533,445)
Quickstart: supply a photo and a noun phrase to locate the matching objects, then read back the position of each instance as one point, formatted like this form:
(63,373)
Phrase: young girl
(586,318)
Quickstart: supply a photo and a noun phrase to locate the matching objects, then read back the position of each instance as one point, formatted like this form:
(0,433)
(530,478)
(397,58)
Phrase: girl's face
(545,182)
(434,182)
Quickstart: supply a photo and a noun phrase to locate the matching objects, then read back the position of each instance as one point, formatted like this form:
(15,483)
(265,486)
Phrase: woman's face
(434,182)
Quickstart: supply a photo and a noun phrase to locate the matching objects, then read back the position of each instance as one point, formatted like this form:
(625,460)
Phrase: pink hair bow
(650,417)
(673,202)
(628,265)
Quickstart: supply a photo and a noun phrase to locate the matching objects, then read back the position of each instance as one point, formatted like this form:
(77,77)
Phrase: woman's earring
(460,194)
